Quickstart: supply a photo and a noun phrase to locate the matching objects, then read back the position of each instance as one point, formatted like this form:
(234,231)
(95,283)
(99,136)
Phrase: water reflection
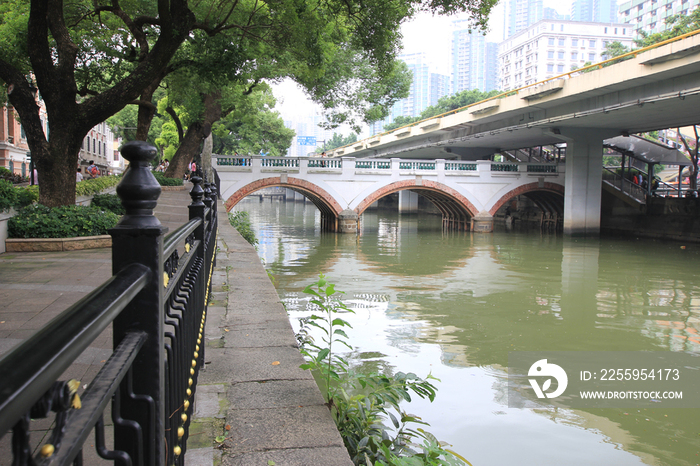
(456,304)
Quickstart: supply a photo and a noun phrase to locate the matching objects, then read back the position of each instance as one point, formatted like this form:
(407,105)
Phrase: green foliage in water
(361,404)
(241,222)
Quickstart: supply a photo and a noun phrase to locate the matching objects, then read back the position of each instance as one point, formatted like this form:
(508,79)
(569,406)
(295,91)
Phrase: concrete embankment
(252,394)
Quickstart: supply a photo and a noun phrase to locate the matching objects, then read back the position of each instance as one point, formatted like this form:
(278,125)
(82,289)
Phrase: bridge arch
(548,197)
(324,202)
(456,209)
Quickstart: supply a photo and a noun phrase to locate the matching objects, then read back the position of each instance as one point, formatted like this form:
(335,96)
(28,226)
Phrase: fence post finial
(139,190)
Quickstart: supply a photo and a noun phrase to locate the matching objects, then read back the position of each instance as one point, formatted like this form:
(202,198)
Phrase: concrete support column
(348,221)
(482,223)
(408,202)
(583,181)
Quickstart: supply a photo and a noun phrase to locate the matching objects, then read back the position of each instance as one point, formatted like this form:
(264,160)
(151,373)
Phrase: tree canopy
(445,104)
(91,58)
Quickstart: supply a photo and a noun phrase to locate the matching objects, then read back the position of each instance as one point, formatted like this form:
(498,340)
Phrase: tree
(337,141)
(692,149)
(676,25)
(445,104)
(89,59)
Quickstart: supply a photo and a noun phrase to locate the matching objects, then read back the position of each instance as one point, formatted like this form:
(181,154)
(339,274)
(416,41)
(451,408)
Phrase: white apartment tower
(550,48)
(650,15)
(474,60)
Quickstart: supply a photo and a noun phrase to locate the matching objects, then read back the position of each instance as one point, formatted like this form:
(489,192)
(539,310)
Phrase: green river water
(455,304)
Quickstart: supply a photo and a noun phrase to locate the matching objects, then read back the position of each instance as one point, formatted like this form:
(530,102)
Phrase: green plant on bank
(109,202)
(241,222)
(38,221)
(360,404)
(163,181)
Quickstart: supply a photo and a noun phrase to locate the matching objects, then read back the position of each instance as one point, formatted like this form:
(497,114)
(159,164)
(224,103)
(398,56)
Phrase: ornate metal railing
(373,164)
(460,166)
(417,165)
(504,167)
(156,301)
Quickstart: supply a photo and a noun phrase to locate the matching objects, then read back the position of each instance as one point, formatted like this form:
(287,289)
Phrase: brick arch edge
(408,184)
(526,188)
(302,185)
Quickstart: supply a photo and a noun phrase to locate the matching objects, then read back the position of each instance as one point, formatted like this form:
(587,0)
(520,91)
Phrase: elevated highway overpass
(654,89)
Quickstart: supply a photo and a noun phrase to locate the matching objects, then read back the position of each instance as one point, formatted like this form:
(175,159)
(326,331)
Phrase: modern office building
(650,15)
(474,60)
(550,48)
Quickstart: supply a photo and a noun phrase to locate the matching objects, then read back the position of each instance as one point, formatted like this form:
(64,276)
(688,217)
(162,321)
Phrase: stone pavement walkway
(251,382)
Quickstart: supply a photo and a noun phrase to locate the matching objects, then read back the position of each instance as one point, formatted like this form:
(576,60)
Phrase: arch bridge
(467,193)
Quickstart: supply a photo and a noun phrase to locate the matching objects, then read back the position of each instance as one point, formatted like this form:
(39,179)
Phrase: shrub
(8,195)
(6,174)
(26,195)
(96,185)
(38,221)
(163,181)
(109,202)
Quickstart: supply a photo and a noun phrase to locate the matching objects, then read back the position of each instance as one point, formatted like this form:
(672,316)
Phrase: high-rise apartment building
(597,11)
(650,15)
(474,60)
(550,48)
(426,88)
(521,14)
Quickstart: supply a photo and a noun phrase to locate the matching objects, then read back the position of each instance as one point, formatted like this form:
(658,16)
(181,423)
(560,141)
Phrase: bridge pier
(348,221)
(482,223)
(583,180)
(408,202)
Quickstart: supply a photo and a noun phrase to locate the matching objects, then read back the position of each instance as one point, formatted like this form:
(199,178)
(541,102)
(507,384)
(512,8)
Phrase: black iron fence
(156,302)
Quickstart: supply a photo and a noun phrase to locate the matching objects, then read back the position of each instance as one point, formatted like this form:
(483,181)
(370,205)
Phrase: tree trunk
(146,112)
(189,146)
(206,159)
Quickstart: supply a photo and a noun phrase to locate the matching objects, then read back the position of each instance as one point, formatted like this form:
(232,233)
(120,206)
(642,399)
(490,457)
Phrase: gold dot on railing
(194,363)
(187,247)
(177,451)
(192,371)
(196,348)
(199,340)
(166,279)
(47,450)
(189,392)
(180,432)
(196,355)
(186,404)
(183,416)
(190,382)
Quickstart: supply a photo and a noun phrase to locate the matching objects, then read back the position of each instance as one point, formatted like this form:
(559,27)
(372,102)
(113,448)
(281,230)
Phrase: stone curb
(57,244)
(252,395)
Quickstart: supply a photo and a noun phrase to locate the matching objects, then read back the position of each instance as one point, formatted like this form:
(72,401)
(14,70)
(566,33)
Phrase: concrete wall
(665,218)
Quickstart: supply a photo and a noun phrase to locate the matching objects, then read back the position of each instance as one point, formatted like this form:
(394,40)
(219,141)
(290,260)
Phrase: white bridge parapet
(341,184)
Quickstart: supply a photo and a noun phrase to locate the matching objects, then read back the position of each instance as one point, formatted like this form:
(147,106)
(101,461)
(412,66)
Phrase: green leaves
(361,403)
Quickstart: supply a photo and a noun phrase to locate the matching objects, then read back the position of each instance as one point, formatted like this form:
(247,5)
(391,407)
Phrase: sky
(425,33)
